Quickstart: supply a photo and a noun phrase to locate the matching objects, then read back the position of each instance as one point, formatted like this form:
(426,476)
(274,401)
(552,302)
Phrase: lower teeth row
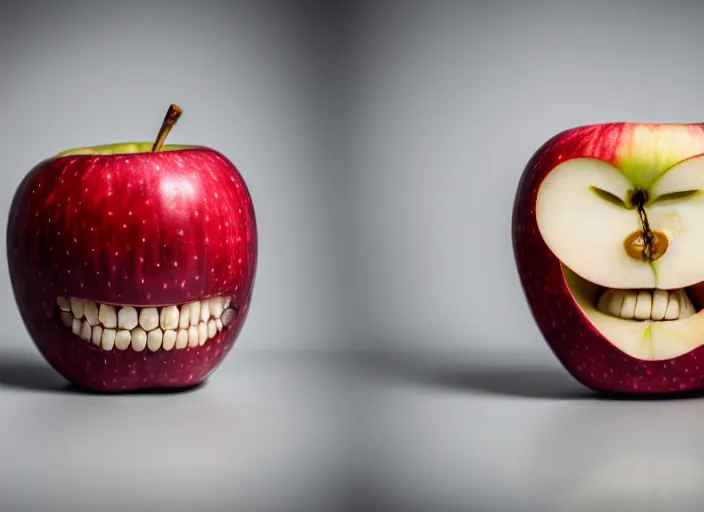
(655,305)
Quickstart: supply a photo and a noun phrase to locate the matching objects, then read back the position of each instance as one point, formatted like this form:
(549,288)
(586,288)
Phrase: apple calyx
(646,245)
(172,115)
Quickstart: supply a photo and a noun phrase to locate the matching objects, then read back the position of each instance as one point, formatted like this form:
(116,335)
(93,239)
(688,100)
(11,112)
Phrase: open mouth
(123,327)
(649,324)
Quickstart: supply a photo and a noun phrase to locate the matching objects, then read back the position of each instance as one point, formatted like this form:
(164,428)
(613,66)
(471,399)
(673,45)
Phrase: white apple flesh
(585,216)
(584,230)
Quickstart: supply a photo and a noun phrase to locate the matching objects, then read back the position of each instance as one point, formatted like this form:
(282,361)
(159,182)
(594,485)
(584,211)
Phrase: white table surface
(328,431)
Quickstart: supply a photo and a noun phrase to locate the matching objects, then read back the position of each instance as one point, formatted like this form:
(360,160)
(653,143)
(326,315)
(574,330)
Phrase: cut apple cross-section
(630,254)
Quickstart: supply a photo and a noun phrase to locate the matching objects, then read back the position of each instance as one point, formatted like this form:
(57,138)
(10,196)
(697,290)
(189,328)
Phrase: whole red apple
(133,264)
(608,238)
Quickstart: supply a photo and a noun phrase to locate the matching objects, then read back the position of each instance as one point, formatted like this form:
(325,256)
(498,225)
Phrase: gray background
(389,360)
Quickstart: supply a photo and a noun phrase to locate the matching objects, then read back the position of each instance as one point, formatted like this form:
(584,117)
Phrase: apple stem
(170,119)
(647,235)
(639,198)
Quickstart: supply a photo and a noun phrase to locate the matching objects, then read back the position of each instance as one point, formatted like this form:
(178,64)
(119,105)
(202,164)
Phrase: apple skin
(140,229)
(581,349)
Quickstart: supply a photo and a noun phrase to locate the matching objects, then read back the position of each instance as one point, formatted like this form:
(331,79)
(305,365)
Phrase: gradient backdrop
(389,361)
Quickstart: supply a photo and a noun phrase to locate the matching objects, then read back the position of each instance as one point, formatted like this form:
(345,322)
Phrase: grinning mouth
(656,305)
(122,327)
(633,320)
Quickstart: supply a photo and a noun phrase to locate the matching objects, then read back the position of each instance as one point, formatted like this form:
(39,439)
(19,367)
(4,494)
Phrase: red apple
(133,264)
(608,238)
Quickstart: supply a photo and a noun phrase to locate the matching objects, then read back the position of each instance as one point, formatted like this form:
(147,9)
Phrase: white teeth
(139,339)
(91,312)
(195,312)
(202,333)
(204,311)
(617,303)
(97,334)
(673,307)
(127,318)
(216,307)
(656,305)
(644,305)
(605,300)
(76,326)
(628,309)
(149,319)
(686,307)
(184,319)
(169,317)
(122,339)
(167,327)
(108,339)
(77,308)
(63,303)
(154,339)
(86,331)
(107,316)
(66,318)
(227,316)
(193,336)
(181,339)
(659,305)
(169,339)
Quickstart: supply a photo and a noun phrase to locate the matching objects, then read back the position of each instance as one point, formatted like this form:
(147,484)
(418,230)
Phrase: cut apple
(629,254)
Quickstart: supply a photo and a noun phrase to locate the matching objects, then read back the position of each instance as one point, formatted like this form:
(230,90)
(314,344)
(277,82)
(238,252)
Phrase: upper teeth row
(655,305)
(187,325)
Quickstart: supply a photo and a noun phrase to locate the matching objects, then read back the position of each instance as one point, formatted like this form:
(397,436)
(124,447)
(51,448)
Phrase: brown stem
(638,198)
(648,236)
(170,119)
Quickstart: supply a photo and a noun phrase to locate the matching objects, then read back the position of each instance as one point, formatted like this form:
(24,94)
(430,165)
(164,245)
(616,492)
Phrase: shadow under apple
(467,373)
(480,375)
(20,371)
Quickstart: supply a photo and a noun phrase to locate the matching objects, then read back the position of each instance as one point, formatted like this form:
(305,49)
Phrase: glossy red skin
(138,229)
(587,355)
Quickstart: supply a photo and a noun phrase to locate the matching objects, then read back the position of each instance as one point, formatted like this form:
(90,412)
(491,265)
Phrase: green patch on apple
(643,174)
(121,148)
(650,151)
(648,341)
